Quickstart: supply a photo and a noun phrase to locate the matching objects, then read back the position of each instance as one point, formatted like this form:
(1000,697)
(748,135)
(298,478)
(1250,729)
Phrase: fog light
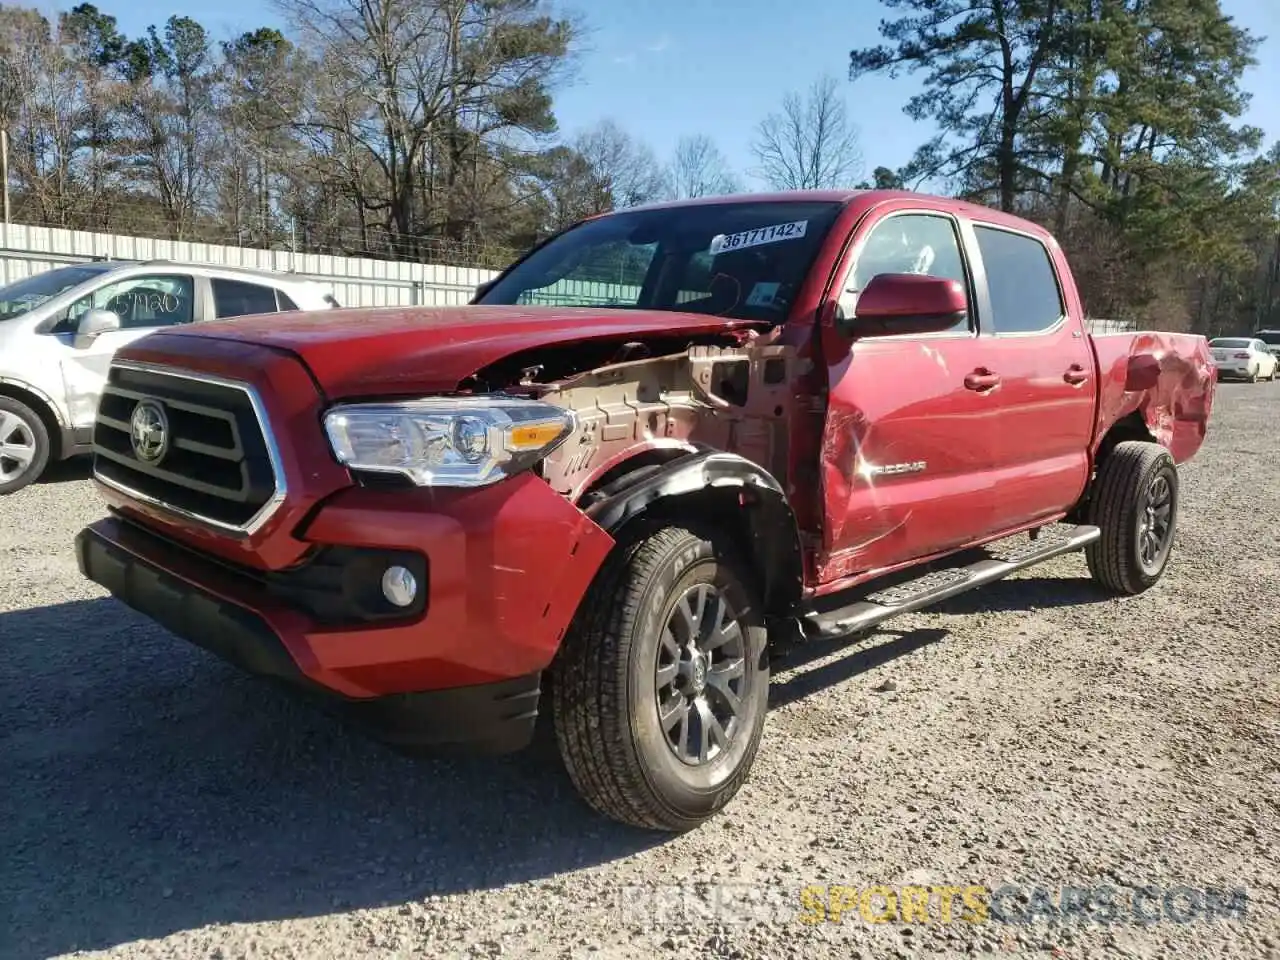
(399,586)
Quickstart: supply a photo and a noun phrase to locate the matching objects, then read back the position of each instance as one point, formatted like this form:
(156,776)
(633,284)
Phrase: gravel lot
(159,804)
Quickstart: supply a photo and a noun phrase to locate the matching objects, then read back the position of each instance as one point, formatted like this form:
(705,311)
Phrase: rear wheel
(660,692)
(24,445)
(1135,504)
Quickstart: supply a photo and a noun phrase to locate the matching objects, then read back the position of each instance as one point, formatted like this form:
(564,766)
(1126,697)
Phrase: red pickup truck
(662,444)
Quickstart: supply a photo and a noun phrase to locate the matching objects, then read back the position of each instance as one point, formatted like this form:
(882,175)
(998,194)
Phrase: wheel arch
(1132,426)
(44,408)
(721,489)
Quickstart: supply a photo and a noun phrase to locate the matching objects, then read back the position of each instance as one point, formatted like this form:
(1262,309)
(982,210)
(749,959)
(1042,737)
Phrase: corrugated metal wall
(1100,328)
(355,282)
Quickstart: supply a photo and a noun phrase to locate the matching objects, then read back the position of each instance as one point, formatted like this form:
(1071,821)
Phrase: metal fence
(354,281)
(1099,327)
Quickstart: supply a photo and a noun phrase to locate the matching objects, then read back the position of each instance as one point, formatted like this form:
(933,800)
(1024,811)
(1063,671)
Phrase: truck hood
(388,351)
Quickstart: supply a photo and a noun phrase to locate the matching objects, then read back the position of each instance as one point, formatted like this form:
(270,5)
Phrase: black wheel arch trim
(772,533)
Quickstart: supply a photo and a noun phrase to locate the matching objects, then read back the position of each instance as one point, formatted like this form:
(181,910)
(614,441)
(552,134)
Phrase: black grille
(218,465)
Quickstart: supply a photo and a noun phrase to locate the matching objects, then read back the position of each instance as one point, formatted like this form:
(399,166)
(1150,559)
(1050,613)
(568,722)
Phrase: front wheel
(660,691)
(1135,504)
(24,445)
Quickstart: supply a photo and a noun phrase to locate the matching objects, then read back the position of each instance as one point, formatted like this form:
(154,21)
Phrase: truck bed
(1167,379)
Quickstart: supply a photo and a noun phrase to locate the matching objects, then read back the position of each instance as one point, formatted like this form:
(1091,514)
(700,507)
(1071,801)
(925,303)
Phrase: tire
(21,429)
(615,663)
(1136,488)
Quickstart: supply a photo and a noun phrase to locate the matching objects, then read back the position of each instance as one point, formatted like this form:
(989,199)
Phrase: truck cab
(661,446)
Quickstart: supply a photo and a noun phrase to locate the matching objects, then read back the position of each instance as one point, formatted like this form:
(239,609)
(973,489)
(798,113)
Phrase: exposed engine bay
(731,392)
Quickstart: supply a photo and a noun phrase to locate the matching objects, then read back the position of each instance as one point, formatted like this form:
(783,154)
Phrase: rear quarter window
(1025,294)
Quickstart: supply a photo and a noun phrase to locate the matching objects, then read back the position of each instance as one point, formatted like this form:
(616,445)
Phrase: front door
(910,424)
(144,304)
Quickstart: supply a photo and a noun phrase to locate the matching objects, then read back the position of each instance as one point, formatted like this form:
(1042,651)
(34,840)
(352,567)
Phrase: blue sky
(666,68)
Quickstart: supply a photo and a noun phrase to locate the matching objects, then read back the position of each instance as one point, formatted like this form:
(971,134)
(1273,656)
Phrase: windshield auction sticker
(758,237)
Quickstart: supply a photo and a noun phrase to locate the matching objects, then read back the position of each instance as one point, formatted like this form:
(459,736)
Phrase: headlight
(447,441)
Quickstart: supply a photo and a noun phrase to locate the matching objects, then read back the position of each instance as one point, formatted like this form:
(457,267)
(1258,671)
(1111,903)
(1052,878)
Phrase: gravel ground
(159,804)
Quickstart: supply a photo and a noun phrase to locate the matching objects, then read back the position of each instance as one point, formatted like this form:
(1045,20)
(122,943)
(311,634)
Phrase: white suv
(60,328)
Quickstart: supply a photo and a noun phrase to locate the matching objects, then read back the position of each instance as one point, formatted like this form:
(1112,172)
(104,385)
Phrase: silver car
(60,328)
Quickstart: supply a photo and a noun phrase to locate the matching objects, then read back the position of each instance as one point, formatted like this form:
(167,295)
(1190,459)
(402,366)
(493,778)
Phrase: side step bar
(875,608)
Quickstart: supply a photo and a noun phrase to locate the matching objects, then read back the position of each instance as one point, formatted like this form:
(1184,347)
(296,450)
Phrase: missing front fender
(733,493)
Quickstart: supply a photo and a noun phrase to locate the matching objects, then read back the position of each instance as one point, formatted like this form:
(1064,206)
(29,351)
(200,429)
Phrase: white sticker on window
(761,235)
(762,294)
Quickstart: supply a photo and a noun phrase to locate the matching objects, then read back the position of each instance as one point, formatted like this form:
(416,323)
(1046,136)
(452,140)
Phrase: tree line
(417,129)
(426,129)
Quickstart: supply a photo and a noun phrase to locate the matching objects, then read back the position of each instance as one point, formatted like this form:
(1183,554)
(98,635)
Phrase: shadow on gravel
(853,660)
(1025,593)
(66,471)
(149,788)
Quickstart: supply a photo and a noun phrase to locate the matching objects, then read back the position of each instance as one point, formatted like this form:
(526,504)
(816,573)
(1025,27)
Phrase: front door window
(141,301)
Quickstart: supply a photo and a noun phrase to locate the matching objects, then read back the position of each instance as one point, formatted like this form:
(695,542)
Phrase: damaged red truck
(763,419)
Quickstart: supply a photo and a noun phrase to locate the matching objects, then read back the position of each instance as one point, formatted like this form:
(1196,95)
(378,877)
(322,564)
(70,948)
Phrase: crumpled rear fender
(1168,379)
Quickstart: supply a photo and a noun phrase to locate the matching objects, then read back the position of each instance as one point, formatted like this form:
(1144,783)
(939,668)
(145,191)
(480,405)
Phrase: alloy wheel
(17,446)
(1155,527)
(699,675)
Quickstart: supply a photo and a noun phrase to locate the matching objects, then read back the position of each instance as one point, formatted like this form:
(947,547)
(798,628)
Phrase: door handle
(982,379)
(1076,374)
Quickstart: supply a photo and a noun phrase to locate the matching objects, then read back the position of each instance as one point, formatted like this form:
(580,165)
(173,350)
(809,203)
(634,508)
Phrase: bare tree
(811,144)
(41,96)
(172,121)
(420,88)
(699,169)
(623,171)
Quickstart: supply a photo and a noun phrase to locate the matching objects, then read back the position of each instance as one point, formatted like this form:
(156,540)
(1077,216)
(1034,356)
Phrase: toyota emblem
(149,431)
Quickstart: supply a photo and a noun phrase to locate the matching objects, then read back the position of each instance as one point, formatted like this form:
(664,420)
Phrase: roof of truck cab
(865,199)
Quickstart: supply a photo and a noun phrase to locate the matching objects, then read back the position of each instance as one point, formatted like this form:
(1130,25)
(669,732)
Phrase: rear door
(144,303)
(906,456)
(1047,376)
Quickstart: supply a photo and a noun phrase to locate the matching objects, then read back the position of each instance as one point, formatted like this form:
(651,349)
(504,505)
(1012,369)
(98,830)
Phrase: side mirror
(907,303)
(93,323)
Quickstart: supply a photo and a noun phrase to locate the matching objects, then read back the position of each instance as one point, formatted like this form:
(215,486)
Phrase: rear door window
(235,298)
(1025,295)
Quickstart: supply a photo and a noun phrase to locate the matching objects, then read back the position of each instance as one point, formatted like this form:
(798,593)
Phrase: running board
(875,608)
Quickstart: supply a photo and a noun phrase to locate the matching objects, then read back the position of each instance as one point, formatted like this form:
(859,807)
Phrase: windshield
(744,260)
(1228,342)
(1270,337)
(25,295)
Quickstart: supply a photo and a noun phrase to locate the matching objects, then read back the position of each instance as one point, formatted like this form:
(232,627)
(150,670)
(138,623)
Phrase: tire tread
(589,691)
(1121,476)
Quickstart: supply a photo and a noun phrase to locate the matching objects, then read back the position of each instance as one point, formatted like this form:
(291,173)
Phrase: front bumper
(505,568)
